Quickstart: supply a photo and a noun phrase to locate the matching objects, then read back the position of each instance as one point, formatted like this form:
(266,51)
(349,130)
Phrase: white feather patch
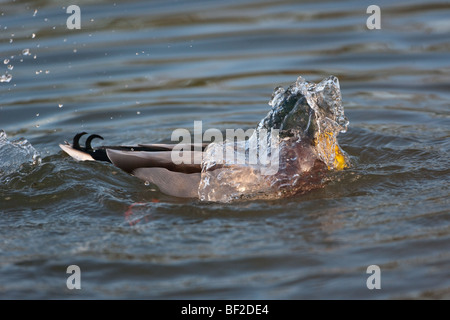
(76,154)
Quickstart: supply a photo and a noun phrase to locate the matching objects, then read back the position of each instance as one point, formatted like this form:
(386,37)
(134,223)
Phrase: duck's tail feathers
(86,153)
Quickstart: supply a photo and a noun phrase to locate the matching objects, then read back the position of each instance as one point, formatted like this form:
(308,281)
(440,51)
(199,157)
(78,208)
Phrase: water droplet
(35,56)
(138,112)
(6,61)
(37,114)
(47,71)
(33,36)
(60,105)
(5,78)
(45,19)
(26,52)
(11,40)
(10,67)
(74,50)
(147,183)
(37,126)
(35,11)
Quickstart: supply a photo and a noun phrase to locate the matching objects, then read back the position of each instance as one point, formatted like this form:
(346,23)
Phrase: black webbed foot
(76,140)
(97,154)
(89,140)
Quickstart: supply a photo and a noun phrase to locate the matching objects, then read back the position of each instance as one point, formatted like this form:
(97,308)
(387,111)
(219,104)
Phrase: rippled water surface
(137,70)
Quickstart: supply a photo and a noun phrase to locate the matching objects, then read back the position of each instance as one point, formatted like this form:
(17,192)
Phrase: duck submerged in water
(298,136)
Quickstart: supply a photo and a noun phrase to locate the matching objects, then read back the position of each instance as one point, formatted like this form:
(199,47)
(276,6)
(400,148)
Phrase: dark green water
(136,71)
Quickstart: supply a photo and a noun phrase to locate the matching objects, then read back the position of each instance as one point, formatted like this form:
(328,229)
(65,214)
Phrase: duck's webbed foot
(88,147)
(97,153)
(76,141)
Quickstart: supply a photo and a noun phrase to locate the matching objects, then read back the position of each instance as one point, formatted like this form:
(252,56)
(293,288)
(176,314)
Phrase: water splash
(326,100)
(14,154)
(308,118)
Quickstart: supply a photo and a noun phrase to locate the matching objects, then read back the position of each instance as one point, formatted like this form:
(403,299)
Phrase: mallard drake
(307,119)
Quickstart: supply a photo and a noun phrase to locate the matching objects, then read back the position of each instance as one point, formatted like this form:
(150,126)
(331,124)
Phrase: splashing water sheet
(305,120)
(15,154)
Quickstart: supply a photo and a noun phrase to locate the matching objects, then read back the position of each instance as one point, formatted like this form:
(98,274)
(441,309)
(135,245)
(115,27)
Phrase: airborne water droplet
(6,61)
(26,52)
(60,105)
(5,78)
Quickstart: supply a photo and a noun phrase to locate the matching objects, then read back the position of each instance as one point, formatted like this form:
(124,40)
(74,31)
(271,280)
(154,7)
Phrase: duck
(298,135)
